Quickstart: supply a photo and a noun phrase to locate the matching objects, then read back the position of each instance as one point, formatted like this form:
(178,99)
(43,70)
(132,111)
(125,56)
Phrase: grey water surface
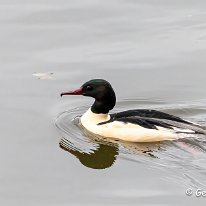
(154,55)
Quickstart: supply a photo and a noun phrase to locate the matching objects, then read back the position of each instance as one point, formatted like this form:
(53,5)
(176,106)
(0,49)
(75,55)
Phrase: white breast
(119,130)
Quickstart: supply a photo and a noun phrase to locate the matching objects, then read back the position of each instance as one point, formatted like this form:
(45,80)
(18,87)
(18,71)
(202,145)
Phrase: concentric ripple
(185,157)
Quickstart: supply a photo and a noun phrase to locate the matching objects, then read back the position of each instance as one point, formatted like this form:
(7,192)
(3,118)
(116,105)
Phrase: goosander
(139,125)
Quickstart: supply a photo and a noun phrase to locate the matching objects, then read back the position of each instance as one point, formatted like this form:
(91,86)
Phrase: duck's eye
(89,88)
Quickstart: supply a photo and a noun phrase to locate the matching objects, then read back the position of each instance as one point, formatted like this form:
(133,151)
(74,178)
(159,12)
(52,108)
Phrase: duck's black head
(101,91)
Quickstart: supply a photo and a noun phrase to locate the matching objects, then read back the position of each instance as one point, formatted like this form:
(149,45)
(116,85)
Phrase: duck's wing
(154,114)
(152,119)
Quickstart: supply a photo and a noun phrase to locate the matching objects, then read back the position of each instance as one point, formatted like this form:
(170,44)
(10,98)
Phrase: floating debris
(47,75)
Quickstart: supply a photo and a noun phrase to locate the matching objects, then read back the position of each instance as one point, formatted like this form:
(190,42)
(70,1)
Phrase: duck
(137,125)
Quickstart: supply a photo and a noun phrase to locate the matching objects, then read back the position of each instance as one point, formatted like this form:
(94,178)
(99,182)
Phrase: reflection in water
(105,153)
(103,157)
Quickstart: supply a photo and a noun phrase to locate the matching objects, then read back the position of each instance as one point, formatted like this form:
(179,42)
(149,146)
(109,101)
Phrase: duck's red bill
(75,92)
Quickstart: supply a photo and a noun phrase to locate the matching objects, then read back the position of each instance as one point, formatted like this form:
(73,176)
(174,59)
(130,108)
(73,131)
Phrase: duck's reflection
(103,157)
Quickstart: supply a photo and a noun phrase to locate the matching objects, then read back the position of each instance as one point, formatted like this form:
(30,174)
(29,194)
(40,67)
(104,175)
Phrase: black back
(151,119)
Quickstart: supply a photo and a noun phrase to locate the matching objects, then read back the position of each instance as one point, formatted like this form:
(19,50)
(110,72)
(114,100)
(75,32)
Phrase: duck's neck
(104,104)
(90,117)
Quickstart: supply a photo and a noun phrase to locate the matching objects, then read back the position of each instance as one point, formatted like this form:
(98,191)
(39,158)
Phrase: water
(153,53)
